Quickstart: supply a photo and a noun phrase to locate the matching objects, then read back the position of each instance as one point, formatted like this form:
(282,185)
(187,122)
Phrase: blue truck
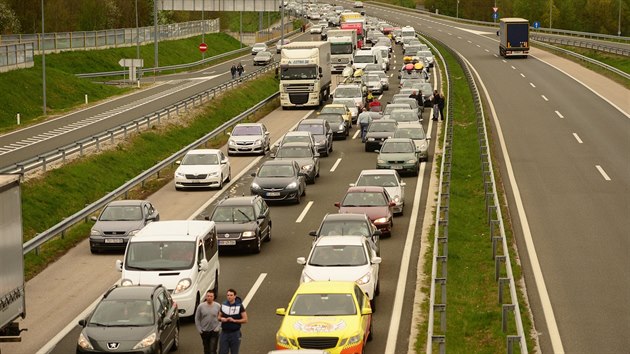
(513,37)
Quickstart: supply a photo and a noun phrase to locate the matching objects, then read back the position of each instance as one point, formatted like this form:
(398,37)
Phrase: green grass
(404,3)
(473,312)
(22,89)
(68,189)
(231,20)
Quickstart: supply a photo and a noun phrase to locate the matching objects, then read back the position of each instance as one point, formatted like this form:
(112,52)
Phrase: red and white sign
(495,9)
(203,47)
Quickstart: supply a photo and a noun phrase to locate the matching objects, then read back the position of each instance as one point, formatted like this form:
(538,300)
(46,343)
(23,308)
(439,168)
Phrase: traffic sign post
(203,47)
(495,15)
(536,24)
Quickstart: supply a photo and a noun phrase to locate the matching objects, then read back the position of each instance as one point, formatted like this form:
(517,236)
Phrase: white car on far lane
(202,168)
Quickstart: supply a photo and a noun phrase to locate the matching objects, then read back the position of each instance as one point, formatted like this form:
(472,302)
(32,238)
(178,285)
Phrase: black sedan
(139,319)
(304,155)
(337,124)
(242,222)
(279,180)
(379,131)
(321,131)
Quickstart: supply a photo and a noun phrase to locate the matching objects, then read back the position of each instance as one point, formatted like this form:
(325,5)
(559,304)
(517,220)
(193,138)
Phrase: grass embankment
(22,89)
(231,21)
(68,189)
(404,3)
(473,314)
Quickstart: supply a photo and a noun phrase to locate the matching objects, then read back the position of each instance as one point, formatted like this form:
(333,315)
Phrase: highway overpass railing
(16,56)
(146,122)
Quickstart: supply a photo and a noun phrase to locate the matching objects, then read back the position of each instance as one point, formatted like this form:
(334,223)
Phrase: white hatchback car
(343,258)
(388,179)
(259,47)
(203,168)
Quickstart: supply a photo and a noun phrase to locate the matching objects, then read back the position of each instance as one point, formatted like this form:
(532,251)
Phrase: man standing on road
(207,323)
(233,71)
(240,69)
(232,316)
(364,119)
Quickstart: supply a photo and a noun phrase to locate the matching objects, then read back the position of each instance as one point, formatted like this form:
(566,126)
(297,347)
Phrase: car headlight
(146,342)
(179,174)
(423,146)
(255,185)
(258,141)
(370,139)
(364,279)
(83,342)
(381,221)
(306,278)
(213,174)
(292,185)
(231,142)
(282,340)
(342,126)
(307,167)
(352,340)
(249,234)
(182,286)
(397,199)
(412,161)
(133,232)
(380,161)
(95,233)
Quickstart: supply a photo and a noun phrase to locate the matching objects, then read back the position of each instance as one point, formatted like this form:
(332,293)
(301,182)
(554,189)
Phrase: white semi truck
(12,294)
(304,74)
(343,43)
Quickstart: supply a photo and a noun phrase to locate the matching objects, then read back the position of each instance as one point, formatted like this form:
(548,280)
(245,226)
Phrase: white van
(181,255)
(362,58)
(408,32)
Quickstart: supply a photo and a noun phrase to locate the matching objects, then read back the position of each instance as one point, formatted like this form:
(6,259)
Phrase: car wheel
(331,147)
(258,244)
(317,174)
(175,345)
(93,250)
(268,234)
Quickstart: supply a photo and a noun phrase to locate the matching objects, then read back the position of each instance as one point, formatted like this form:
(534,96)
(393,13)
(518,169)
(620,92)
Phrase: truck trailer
(343,43)
(304,74)
(513,37)
(12,294)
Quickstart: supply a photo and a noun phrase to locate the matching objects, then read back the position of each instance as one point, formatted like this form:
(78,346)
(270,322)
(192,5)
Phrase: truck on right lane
(513,37)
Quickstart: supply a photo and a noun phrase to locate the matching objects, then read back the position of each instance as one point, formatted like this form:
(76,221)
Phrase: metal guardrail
(14,56)
(82,215)
(123,37)
(599,46)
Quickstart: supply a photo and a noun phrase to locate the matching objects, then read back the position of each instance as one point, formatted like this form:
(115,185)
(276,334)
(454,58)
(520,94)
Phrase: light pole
(619,21)
(550,12)
(137,43)
(457,10)
(155,51)
(203,27)
(43,49)
(282,23)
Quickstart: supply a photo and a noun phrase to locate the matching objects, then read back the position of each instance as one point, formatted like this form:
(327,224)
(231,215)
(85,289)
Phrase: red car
(372,201)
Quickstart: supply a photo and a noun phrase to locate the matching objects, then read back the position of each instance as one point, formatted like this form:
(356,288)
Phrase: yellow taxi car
(334,316)
(339,108)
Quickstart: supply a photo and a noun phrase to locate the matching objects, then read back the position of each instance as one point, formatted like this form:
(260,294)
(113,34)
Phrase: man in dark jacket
(233,71)
(232,316)
(240,69)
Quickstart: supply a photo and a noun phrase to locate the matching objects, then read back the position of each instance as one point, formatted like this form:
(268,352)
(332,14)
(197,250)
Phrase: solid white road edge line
(304,212)
(336,164)
(51,343)
(601,170)
(252,291)
(238,176)
(394,324)
(550,318)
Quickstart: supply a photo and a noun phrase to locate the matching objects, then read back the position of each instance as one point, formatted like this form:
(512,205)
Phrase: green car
(399,154)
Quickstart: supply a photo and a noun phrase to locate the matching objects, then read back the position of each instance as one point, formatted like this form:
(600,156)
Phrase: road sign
(495,9)
(495,15)
(127,63)
(536,24)
(203,47)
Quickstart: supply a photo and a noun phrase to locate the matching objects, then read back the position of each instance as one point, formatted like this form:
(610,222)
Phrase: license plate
(227,242)
(397,167)
(273,194)
(113,240)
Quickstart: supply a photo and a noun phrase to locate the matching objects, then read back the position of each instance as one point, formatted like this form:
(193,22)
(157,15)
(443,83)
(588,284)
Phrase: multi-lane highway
(563,137)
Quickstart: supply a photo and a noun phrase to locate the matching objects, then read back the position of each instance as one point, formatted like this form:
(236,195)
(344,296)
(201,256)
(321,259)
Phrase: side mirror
(312,233)
(281,311)
(224,161)
(206,217)
(267,133)
(497,33)
(93,218)
(203,265)
(402,184)
(392,204)
(167,321)
(273,156)
(301,260)
(253,174)
(377,151)
(229,133)
(178,162)
(366,311)
(352,184)
(428,138)
(377,233)
(82,323)
(338,204)
(119,265)
(376,260)
(261,217)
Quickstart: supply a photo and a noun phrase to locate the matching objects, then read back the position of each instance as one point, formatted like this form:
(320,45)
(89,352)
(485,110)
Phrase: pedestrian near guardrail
(233,71)
(232,316)
(240,69)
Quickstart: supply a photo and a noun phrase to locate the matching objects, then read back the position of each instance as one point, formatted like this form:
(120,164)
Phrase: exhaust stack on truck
(12,295)
(513,37)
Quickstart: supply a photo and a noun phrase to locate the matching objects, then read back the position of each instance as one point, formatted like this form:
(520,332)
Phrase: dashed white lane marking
(505,61)
(577,138)
(544,98)
(601,170)
(356,133)
(304,212)
(522,75)
(478,46)
(335,165)
(252,291)
(487,51)
(532,85)
(559,114)
(513,67)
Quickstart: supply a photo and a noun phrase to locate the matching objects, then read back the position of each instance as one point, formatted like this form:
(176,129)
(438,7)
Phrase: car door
(167,329)
(374,268)
(265,137)
(300,177)
(262,217)
(225,165)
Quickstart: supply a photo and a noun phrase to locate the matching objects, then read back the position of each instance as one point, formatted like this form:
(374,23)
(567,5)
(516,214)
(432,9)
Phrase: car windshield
(348,102)
(263,55)
(336,110)
(160,255)
(344,228)
(412,133)
(386,180)
(294,151)
(315,129)
(332,119)
(200,159)
(341,48)
(276,171)
(403,116)
(364,199)
(296,139)
(233,214)
(247,130)
(407,100)
(348,92)
(121,213)
(382,127)
(323,305)
(259,46)
(395,106)
(338,256)
(298,72)
(364,59)
(123,313)
(397,147)
(409,75)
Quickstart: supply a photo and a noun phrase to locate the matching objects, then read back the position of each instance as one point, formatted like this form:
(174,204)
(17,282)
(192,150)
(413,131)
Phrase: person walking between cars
(233,71)
(364,119)
(434,101)
(231,316)
(441,103)
(207,323)
(240,69)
